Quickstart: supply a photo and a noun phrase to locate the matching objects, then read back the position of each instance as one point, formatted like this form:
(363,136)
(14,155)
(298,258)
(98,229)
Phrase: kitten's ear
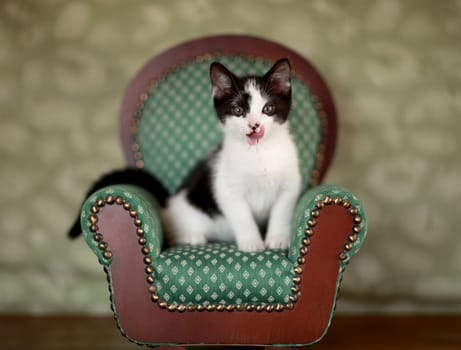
(279,77)
(222,80)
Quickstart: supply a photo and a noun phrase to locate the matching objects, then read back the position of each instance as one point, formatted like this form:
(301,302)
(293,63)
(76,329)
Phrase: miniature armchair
(214,294)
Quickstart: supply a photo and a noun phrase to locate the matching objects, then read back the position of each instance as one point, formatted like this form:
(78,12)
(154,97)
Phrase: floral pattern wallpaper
(393,68)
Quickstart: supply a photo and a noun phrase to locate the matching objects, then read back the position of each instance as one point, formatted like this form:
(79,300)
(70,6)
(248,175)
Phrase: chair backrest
(167,118)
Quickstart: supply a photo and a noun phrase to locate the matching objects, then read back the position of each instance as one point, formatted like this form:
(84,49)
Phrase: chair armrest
(308,211)
(104,216)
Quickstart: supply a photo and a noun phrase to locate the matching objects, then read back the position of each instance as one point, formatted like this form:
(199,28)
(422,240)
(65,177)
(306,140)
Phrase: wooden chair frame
(332,228)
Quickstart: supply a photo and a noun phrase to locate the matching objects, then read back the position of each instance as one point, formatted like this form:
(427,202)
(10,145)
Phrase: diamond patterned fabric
(178,126)
(220,274)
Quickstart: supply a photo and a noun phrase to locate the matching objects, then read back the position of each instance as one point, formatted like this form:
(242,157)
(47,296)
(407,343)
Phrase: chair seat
(219,273)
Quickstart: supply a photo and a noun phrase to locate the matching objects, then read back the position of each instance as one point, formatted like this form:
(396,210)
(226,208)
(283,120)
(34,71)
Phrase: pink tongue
(254,137)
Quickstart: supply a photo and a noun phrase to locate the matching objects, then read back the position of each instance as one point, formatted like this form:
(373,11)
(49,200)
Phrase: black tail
(128,176)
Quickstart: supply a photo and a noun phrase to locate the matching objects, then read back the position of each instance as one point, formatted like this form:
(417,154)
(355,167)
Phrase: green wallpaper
(394,69)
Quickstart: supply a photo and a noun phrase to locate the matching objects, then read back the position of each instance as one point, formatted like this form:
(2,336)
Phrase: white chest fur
(260,173)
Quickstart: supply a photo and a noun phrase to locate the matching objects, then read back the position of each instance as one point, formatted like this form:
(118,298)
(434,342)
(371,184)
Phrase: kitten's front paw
(254,245)
(278,242)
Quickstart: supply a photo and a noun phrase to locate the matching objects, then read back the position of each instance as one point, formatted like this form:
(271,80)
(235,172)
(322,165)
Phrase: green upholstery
(307,203)
(178,125)
(140,200)
(221,274)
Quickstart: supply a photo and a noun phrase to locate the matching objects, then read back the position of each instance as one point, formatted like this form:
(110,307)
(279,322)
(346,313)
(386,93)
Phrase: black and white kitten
(252,180)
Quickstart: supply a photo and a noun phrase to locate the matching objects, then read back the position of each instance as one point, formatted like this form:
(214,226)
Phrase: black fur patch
(199,186)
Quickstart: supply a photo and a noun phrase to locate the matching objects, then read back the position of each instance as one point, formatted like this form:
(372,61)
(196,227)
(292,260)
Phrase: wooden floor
(346,332)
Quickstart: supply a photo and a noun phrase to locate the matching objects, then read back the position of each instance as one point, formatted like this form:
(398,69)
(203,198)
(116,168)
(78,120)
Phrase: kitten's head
(250,107)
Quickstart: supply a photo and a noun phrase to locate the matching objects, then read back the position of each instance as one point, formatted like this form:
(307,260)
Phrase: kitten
(252,180)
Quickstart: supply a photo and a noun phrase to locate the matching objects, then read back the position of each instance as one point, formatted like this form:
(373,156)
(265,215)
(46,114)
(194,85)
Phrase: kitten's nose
(254,126)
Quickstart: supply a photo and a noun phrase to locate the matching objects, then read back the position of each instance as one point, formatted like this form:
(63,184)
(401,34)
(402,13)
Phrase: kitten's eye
(269,109)
(237,111)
